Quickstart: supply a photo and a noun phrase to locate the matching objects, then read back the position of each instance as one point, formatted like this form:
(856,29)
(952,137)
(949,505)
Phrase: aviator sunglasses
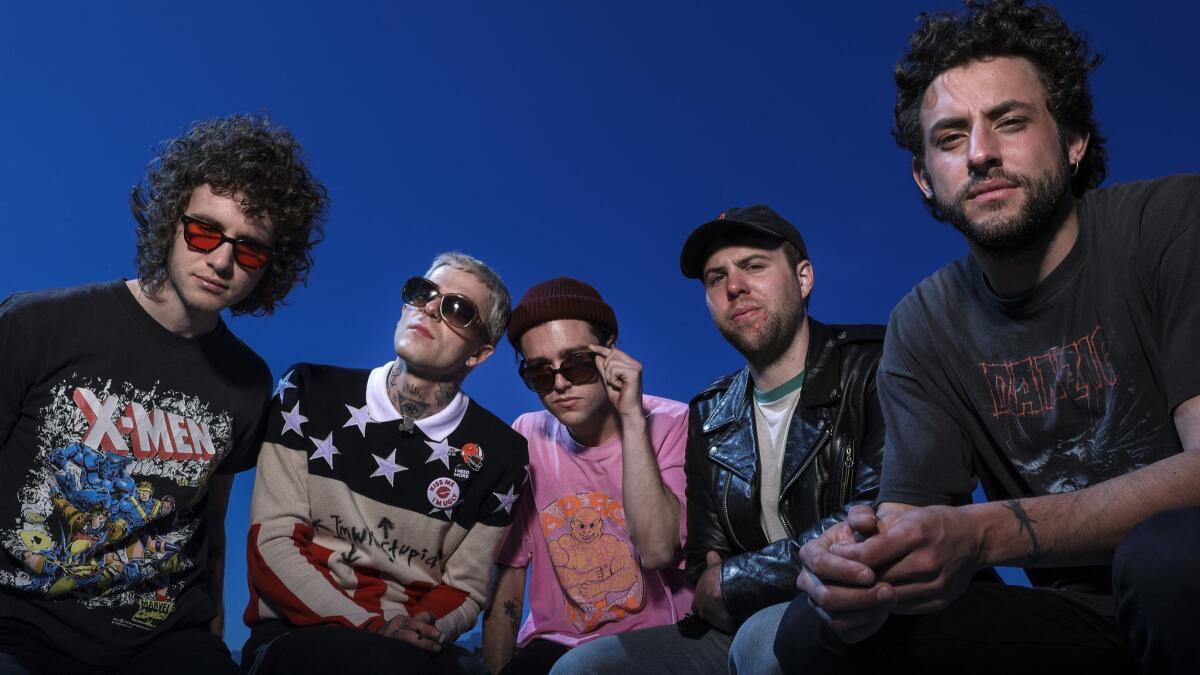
(207,238)
(456,310)
(579,368)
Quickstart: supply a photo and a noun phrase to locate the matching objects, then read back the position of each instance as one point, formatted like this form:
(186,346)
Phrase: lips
(566,403)
(991,189)
(421,330)
(744,314)
(211,284)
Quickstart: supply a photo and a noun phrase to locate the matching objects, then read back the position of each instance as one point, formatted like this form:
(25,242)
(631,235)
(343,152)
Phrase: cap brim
(698,244)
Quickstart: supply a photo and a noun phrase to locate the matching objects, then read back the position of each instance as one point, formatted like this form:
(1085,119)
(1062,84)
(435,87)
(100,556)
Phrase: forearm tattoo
(513,614)
(1025,524)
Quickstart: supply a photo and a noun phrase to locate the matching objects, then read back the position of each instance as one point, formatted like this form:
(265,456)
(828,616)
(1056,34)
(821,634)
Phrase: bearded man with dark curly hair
(127,407)
(1055,365)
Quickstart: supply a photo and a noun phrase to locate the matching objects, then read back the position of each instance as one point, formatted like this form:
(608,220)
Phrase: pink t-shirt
(587,580)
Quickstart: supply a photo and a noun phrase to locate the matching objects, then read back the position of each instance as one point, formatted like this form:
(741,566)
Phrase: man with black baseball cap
(776,451)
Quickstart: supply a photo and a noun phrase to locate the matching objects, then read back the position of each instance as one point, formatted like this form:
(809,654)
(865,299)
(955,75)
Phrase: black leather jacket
(831,461)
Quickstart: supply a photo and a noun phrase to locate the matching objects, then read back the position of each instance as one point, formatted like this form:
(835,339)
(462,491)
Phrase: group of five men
(811,512)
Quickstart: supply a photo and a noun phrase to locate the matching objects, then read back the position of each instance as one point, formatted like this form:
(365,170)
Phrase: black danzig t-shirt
(110,429)
(1069,385)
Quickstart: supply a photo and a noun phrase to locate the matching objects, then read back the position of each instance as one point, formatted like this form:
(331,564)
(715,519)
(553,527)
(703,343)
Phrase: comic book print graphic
(1071,419)
(593,559)
(99,518)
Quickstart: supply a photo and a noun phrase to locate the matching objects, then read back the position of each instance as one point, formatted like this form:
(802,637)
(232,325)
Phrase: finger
(601,350)
(849,624)
(862,521)
(876,551)
(835,599)
(712,558)
(832,568)
(413,638)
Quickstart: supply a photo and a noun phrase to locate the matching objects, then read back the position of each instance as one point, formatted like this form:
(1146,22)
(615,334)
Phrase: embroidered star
(359,417)
(506,500)
(449,512)
(325,449)
(441,450)
(292,419)
(283,385)
(528,476)
(387,467)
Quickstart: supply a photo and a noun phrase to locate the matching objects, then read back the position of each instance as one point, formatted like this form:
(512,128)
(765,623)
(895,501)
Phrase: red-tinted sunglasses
(206,237)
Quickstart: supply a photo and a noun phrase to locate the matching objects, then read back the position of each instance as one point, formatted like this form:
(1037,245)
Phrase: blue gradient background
(546,138)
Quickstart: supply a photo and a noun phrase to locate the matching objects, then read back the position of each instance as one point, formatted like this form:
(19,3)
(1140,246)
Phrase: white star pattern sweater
(356,520)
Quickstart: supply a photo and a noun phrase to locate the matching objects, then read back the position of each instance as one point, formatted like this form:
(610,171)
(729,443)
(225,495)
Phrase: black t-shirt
(110,428)
(1069,385)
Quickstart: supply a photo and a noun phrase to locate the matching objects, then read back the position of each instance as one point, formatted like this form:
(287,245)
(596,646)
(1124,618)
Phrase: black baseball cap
(758,218)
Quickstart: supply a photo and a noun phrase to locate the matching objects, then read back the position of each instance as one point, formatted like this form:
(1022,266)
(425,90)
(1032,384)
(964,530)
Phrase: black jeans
(194,651)
(535,658)
(278,647)
(994,628)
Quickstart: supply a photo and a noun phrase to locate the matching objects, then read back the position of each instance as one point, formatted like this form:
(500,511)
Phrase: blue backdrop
(547,138)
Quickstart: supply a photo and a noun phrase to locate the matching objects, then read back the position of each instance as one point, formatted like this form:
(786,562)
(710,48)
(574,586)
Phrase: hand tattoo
(1024,522)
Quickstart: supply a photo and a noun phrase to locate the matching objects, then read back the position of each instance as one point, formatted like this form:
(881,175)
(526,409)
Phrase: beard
(1044,210)
(772,342)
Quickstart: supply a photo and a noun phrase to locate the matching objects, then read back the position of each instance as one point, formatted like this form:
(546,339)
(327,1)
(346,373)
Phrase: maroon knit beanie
(561,298)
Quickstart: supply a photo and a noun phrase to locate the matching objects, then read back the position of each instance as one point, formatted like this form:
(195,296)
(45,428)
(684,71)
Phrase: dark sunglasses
(456,310)
(207,238)
(577,368)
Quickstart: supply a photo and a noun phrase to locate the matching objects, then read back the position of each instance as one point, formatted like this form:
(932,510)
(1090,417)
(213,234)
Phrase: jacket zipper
(848,463)
(729,523)
(782,491)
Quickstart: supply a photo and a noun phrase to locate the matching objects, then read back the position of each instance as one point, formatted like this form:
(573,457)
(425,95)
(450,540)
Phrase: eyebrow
(999,110)
(562,354)
(740,262)
(209,220)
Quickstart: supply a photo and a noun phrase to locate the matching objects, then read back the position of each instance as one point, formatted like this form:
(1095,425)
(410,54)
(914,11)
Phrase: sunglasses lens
(418,291)
(201,237)
(457,310)
(540,379)
(251,256)
(580,369)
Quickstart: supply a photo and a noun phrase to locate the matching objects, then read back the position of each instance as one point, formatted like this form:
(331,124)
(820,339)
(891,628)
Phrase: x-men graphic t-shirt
(111,427)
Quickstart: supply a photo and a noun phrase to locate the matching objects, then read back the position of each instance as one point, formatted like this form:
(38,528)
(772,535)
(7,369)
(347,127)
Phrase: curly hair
(259,162)
(1004,28)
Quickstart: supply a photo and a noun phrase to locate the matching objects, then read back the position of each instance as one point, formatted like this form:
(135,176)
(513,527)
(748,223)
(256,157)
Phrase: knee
(746,653)
(801,636)
(1160,550)
(581,660)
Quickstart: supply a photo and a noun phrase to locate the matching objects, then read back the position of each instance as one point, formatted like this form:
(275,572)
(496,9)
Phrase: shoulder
(320,377)
(53,301)
(665,407)
(938,295)
(535,424)
(481,421)
(715,388)
(1148,214)
(1181,191)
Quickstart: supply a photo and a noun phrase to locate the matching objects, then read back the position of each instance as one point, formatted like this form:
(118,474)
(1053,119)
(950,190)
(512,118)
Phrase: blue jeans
(665,650)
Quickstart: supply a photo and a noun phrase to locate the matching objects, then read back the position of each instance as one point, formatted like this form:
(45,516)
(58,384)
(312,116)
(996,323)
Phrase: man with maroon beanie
(601,523)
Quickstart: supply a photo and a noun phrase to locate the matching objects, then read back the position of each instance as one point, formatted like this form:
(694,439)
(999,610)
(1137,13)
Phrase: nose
(220,259)
(561,383)
(982,150)
(735,284)
(432,309)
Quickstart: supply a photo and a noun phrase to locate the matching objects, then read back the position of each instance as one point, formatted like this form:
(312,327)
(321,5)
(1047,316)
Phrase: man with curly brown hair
(1055,364)
(116,391)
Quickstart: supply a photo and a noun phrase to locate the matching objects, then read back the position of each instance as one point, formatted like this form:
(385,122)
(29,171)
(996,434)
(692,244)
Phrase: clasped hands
(897,560)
